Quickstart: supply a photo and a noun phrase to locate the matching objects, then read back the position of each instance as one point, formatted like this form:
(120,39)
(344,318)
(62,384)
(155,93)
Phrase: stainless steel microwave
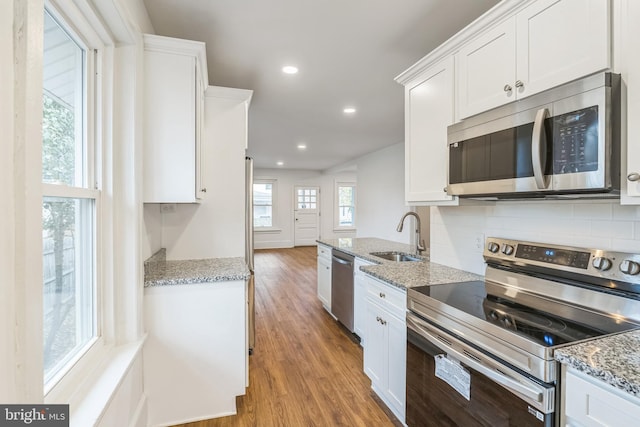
(561,143)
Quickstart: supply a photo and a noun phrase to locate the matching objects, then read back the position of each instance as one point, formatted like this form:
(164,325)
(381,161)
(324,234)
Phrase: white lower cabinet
(386,343)
(359,299)
(196,353)
(589,402)
(324,276)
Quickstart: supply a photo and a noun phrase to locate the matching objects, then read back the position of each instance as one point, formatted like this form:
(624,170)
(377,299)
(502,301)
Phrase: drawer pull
(382,295)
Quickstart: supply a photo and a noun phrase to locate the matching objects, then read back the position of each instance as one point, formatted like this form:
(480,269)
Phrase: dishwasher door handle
(342,261)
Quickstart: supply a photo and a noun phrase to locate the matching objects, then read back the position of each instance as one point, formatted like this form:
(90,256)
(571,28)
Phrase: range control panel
(620,266)
(570,258)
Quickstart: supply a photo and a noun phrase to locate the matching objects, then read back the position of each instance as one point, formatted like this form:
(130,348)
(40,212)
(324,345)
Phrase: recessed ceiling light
(302,146)
(289,69)
(280,163)
(349,110)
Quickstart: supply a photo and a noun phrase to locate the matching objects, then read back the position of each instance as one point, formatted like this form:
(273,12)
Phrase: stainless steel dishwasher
(342,288)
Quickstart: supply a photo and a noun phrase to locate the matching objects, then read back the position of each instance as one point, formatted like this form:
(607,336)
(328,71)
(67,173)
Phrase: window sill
(90,399)
(344,229)
(267,230)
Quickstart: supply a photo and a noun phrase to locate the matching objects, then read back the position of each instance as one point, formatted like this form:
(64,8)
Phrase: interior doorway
(306,213)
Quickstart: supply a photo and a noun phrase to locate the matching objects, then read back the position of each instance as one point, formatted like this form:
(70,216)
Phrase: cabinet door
(376,347)
(593,403)
(324,282)
(559,41)
(359,306)
(169,174)
(429,110)
(486,70)
(396,389)
(628,47)
(200,189)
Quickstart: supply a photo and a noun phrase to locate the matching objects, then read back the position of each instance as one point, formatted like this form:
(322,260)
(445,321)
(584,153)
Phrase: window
(69,201)
(263,196)
(346,204)
(306,198)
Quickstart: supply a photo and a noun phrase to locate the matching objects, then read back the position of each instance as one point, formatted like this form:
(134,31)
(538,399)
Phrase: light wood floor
(305,370)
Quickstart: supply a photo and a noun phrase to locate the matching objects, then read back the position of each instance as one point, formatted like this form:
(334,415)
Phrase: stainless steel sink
(395,256)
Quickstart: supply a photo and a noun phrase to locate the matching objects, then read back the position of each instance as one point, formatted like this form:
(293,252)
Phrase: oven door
(497,395)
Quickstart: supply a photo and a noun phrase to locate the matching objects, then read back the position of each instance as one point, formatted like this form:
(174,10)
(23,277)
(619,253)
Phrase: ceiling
(347,52)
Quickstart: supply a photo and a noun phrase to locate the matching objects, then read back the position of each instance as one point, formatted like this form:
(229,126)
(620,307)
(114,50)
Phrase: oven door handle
(427,331)
(539,149)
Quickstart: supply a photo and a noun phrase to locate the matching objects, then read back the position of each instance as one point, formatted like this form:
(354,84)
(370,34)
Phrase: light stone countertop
(160,272)
(614,359)
(400,274)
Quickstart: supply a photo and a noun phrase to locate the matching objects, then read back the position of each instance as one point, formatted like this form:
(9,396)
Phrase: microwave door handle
(539,148)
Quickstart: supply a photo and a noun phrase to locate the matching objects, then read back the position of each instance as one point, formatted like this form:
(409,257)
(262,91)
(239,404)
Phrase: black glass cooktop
(553,325)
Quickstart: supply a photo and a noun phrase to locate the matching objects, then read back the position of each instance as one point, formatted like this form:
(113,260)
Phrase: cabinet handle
(383,322)
(508,88)
(204,190)
(633,177)
(519,83)
(382,295)
(378,319)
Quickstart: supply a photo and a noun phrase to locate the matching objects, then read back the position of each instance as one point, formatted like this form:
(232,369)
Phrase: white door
(306,212)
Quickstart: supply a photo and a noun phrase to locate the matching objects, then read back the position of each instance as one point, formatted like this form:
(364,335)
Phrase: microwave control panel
(575,141)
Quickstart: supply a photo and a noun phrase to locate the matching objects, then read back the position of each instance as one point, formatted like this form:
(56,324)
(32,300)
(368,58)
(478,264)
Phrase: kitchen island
(196,353)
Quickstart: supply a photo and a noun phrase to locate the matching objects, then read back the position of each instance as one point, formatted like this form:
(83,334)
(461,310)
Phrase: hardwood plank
(305,370)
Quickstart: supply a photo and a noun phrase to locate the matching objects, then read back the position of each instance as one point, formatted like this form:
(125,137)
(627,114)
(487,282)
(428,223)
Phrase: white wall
(283,236)
(380,195)
(600,225)
(215,227)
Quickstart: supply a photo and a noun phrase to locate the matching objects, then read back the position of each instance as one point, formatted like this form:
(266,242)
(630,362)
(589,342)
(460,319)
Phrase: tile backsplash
(455,231)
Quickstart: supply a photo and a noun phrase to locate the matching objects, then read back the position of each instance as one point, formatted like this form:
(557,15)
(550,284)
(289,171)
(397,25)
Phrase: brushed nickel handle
(508,88)
(633,177)
(382,295)
(519,83)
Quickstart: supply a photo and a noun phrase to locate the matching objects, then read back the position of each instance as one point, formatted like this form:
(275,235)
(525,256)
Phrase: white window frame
(274,199)
(336,210)
(65,382)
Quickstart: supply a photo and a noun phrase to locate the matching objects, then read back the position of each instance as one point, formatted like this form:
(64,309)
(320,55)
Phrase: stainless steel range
(481,353)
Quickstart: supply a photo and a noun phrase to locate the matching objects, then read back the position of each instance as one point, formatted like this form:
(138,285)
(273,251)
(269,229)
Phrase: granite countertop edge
(160,272)
(614,359)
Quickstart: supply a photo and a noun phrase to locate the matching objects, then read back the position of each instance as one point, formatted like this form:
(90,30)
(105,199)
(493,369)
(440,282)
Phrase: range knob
(493,247)
(507,249)
(493,315)
(601,263)
(630,267)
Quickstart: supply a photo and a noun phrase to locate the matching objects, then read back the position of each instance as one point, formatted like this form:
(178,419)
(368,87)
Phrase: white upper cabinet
(486,68)
(627,49)
(174,83)
(546,44)
(428,112)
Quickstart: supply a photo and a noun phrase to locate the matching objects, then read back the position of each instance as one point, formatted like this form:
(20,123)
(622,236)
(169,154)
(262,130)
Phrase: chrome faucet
(419,243)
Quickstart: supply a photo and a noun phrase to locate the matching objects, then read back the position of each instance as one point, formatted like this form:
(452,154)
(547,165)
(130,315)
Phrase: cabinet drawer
(387,296)
(324,252)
